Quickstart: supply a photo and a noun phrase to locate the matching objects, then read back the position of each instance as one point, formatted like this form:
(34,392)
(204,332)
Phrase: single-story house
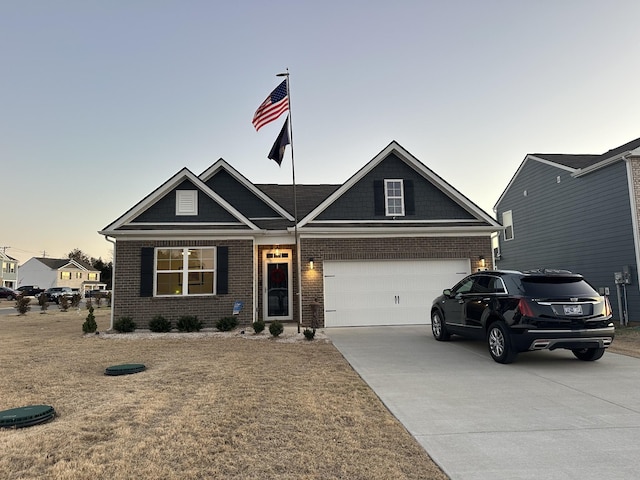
(60,272)
(577,212)
(375,250)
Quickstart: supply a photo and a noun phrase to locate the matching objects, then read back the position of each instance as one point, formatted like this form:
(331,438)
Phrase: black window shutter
(222,268)
(378,197)
(409,201)
(146,272)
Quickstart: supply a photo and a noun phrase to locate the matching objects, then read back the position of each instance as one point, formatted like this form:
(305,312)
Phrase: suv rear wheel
(588,354)
(499,343)
(438,327)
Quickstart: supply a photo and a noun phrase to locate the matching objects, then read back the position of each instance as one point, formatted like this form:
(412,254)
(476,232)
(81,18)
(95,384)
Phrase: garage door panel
(359,293)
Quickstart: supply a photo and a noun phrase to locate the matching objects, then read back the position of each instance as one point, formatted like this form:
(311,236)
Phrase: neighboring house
(59,272)
(375,250)
(577,212)
(8,271)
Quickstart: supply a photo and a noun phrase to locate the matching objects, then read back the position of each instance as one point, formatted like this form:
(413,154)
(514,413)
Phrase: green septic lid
(125,369)
(26,416)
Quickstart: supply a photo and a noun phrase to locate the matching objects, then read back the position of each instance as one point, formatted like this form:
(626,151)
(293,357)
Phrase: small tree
(64,302)
(22,304)
(90,325)
(75,300)
(43,302)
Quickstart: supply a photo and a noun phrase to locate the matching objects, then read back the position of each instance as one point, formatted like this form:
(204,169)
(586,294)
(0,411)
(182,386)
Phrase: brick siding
(208,309)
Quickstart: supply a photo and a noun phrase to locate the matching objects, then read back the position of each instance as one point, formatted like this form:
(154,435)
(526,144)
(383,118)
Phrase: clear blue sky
(102,101)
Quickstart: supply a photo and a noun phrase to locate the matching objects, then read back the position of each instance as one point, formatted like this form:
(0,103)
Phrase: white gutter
(634,209)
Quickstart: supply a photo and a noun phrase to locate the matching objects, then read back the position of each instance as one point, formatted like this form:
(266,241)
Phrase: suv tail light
(607,307)
(525,309)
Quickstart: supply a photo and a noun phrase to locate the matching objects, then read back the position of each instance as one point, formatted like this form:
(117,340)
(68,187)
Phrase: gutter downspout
(113,278)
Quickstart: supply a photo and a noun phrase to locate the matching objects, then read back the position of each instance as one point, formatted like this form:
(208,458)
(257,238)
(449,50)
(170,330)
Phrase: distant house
(59,272)
(8,271)
(577,212)
(375,250)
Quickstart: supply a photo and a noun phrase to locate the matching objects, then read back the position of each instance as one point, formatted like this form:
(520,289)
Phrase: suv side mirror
(447,292)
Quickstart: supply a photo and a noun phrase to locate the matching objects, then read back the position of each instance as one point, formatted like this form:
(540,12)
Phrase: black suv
(524,311)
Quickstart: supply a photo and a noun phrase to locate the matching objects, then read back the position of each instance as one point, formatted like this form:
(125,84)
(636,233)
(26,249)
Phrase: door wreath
(277,275)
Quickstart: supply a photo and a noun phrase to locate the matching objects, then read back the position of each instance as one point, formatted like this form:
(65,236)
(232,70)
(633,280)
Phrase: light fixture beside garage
(310,263)
(481,262)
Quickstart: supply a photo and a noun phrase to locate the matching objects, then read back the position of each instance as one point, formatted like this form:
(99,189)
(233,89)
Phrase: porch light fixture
(311,263)
(482,262)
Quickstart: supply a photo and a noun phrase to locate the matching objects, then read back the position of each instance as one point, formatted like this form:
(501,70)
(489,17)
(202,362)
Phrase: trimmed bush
(159,324)
(258,326)
(188,324)
(226,324)
(124,324)
(276,328)
(90,325)
(309,334)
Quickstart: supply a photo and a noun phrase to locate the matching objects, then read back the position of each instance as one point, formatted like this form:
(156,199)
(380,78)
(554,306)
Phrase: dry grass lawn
(227,408)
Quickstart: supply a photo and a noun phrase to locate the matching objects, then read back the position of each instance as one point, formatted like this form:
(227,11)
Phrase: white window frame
(390,210)
(186,202)
(507,222)
(185,271)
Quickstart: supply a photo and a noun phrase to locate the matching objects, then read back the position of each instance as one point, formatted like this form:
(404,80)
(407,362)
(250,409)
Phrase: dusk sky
(102,101)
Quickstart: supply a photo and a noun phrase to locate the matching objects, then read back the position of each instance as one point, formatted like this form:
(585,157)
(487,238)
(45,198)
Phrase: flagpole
(296,285)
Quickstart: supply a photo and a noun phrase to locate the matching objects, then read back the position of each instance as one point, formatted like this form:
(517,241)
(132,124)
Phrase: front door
(276,281)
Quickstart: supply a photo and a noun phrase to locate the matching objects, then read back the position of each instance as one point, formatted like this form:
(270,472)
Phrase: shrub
(159,324)
(123,324)
(309,334)
(188,324)
(63,302)
(75,300)
(90,325)
(43,302)
(276,328)
(22,304)
(226,324)
(258,326)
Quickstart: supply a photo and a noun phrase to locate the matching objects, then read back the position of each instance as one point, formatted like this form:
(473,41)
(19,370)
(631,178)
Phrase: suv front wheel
(588,354)
(500,344)
(438,327)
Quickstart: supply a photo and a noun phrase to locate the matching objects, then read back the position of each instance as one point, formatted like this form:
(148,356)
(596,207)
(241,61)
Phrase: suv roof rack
(548,271)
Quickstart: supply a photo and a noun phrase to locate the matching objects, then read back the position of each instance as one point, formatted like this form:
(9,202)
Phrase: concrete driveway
(547,416)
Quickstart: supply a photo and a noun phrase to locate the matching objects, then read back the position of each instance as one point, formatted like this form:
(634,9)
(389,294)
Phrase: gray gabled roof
(577,164)
(57,263)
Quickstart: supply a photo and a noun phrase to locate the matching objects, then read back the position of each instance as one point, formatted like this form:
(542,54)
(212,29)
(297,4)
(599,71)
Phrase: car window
(544,287)
(497,285)
(483,284)
(465,286)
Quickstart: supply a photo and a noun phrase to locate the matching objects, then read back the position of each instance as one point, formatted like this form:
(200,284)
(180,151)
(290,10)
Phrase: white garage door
(386,292)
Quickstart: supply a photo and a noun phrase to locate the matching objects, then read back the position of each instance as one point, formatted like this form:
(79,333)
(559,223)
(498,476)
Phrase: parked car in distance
(524,311)
(97,293)
(53,294)
(30,290)
(9,293)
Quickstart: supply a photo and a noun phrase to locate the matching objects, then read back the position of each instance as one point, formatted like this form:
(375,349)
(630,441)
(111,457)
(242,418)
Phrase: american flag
(275,105)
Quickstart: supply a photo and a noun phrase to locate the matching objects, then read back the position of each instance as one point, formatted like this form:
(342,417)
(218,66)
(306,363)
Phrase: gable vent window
(394,198)
(186,202)
(507,223)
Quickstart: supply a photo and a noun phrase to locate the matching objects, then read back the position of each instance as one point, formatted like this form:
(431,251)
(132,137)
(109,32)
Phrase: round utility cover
(125,369)
(26,416)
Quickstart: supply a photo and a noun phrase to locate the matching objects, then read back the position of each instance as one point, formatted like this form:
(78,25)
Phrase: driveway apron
(546,416)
